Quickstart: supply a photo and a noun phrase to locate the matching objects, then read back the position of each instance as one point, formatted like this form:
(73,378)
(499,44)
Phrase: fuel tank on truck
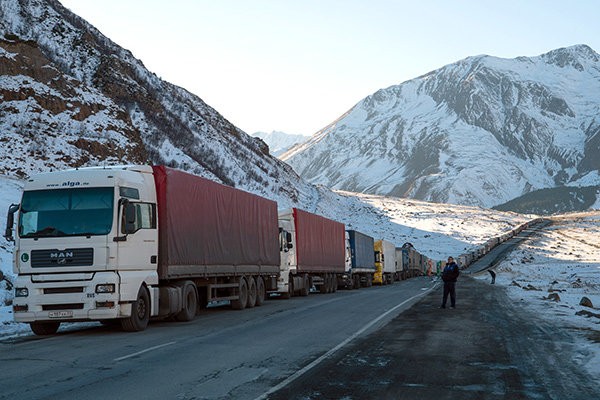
(209,229)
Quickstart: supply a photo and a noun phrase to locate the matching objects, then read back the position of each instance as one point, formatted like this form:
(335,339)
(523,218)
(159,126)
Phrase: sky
(298,65)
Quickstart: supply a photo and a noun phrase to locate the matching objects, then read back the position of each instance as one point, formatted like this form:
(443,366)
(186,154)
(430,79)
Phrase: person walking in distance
(449,276)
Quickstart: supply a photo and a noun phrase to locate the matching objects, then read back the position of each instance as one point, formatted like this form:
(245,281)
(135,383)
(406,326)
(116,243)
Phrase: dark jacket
(450,272)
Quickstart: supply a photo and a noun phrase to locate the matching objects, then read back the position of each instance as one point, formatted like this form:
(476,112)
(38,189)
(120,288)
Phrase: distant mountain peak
(480,131)
(573,56)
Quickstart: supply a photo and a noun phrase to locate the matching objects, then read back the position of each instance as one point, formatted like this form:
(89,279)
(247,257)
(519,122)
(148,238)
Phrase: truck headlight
(21,292)
(105,288)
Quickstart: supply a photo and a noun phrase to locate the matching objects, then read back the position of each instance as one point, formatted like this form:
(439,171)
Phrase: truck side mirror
(288,239)
(123,203)
(10,221)
(130,218)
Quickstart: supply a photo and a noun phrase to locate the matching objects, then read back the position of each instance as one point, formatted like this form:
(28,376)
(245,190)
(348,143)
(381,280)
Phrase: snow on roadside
(564,260)
(10,192)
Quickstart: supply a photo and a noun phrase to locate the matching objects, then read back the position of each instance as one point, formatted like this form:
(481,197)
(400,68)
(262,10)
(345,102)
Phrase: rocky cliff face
(481,131)
(72,97)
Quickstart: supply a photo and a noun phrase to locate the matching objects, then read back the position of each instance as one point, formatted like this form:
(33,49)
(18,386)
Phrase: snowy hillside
(72,97)
(481,132)
(279,142)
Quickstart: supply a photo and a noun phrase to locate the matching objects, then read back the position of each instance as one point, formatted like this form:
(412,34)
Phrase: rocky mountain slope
(72,97)
(481,131)
(279,142)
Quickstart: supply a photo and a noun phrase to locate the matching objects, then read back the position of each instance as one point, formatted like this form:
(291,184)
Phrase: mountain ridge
(167,124)
(437,137)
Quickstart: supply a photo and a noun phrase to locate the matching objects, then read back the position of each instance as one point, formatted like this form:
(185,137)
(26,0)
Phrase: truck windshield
(66,212)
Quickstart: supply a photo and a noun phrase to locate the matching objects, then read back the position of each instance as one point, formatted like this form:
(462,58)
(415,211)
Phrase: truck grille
(62,258)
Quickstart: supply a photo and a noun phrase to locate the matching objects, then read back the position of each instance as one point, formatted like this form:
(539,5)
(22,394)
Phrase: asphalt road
(390,342)
(487,348)
(222,354)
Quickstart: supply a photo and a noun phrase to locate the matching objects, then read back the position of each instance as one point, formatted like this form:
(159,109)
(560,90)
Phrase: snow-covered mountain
(279,142)
(481,131)
(72,97)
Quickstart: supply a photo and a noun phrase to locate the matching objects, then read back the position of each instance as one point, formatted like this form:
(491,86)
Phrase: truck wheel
(140,313)
(290,292)
(44,328)
(369,280)
(251,292)
(260,291)
(324,288)
(242,300)
(356,282)
(334,283)
(189,303)
(305,286)
(329,283)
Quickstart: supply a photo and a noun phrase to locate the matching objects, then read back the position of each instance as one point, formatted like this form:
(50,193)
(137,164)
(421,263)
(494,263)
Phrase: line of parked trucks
(132,243)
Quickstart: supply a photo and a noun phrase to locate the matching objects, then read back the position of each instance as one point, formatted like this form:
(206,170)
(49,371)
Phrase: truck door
(138,243)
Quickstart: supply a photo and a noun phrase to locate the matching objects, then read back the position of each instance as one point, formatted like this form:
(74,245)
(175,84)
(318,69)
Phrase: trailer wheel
(140,313)
(44,328)
(251,292)
(260,291)
(305,285)
(324,288)
(190,303)
(369,280)
(242,300)
(334,283)
(356,282)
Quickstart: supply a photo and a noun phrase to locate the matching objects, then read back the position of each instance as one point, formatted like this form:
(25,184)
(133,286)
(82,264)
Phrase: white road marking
(316,362)
(143,351)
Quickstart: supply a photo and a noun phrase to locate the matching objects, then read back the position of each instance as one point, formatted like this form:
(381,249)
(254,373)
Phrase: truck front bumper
(69,299)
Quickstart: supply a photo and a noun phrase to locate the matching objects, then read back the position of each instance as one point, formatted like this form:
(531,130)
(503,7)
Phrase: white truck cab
(77,256)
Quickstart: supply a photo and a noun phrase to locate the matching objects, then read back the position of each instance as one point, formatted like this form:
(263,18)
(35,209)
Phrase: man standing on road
(449,276)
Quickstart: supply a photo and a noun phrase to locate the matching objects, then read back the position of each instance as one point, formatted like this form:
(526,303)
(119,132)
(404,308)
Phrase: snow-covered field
(563,261)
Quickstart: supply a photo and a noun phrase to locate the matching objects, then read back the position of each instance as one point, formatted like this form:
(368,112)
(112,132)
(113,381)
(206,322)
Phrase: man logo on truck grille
(61,257)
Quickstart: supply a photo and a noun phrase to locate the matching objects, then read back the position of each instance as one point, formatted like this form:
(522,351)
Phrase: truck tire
(44,328)
(356,281)
(251,292)
(260,291)
(290,292)
(369,280)
(324,288)
(242,300)
(334,285)
(189,302)
(305,286)
(140,313)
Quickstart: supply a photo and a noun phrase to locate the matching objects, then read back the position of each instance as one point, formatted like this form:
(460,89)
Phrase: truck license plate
(60,314)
